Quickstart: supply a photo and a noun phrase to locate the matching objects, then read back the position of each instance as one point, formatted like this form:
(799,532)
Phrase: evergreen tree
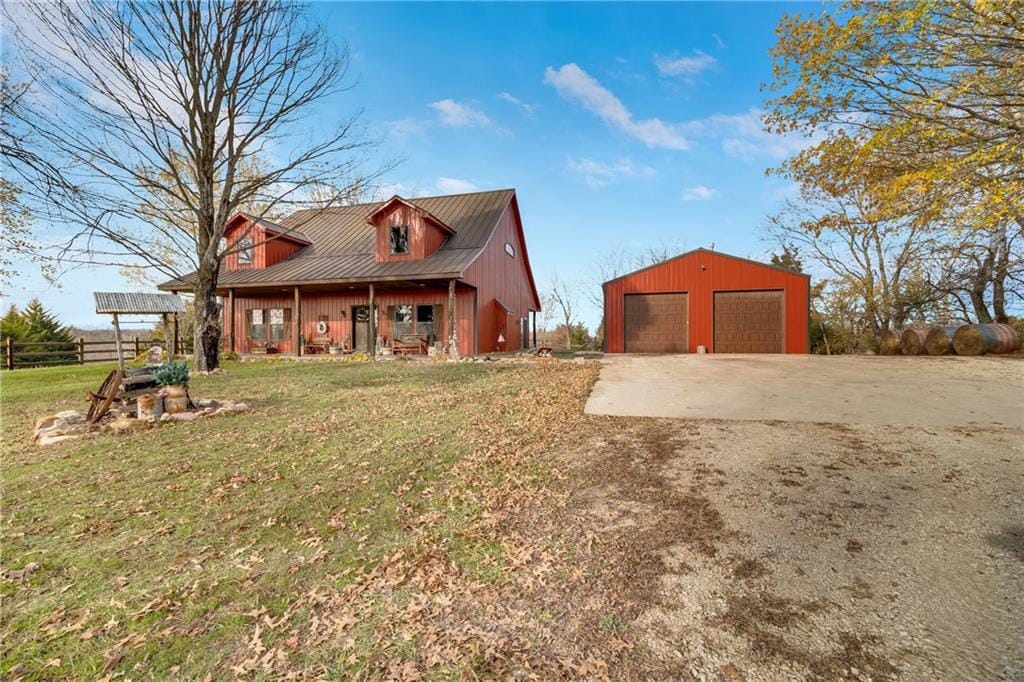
(42,325)
(12,325)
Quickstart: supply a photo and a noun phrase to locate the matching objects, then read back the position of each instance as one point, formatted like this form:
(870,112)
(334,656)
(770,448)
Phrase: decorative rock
(59,427)
(46,439)
(70,424)
(181,416)
(124,425)
(72,416)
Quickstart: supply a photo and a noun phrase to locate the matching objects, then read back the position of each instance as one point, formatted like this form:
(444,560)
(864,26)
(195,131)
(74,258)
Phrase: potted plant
(334,348)
(271,348)
(173,376)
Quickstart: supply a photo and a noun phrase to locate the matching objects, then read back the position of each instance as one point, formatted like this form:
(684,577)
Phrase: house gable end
(252,243)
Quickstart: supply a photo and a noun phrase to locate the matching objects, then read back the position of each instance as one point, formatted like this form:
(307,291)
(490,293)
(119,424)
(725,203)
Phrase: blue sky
(628,124)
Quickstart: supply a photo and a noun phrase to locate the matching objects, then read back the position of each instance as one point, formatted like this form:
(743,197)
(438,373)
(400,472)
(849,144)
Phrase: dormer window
(399,240)
(245,251)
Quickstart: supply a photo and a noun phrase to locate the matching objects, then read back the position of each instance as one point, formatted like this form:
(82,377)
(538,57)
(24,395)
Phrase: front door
(361,328)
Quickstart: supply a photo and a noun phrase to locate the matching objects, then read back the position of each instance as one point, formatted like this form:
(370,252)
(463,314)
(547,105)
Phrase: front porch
(307,322)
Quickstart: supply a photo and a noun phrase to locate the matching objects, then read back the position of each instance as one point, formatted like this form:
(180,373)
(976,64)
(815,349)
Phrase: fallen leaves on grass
(420,608)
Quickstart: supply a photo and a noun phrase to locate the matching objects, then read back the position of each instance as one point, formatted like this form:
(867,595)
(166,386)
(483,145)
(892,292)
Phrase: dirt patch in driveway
(753,550)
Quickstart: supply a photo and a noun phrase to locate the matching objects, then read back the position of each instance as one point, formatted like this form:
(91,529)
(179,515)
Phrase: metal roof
(343,244)
(131,303)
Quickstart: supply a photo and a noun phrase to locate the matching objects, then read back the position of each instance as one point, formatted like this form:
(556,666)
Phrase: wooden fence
(19,354)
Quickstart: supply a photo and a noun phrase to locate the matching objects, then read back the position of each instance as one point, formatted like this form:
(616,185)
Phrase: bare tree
(161,105)
(563,296)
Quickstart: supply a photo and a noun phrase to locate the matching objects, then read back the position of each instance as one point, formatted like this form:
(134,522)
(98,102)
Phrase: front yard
(359,522)
(459,521)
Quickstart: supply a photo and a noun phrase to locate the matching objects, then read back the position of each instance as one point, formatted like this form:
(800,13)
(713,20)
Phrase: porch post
(453,335)
(373,326)
(297,329)
(231,320)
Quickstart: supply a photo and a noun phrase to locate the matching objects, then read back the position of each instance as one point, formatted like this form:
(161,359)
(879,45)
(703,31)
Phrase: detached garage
(703,298)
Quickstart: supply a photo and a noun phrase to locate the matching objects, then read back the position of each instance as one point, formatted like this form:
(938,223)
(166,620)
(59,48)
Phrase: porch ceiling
(343,288)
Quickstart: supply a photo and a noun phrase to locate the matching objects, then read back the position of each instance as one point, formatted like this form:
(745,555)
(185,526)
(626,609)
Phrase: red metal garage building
(704,298)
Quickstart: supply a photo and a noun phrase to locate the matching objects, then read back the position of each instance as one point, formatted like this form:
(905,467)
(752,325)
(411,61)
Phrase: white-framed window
(510,250)
(245,251)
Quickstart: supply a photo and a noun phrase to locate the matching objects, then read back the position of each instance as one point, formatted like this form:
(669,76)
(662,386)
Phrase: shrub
(172,374)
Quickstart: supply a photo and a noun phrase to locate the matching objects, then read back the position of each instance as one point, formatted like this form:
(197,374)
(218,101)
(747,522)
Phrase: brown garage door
(748,322)
(656,323)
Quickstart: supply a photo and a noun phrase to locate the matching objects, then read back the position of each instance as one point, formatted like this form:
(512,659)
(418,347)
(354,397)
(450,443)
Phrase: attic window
(399,239)
(245,251)
(510,250)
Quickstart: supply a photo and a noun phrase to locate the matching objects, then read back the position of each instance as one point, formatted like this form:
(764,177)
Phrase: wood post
(453,335)
(117,342)
(231,320)
(176,342)
(534,329)
(297,330)
(170,343)
(81,350)
(373,326)
(137,343)
(10,353)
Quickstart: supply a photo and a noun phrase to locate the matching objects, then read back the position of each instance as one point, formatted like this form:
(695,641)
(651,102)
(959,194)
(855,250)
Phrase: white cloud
(528,109)
(459,115)
(455,186)
(685,67)
(598,174)
(574,83)
(405,127)
(743,136)
(388,190)
(718,41)
(699,193)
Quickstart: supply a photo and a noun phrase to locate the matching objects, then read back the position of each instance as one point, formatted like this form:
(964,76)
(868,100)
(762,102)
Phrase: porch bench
(409,343)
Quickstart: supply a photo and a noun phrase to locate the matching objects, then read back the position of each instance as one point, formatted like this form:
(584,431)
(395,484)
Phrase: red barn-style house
(411,274)
(702,298)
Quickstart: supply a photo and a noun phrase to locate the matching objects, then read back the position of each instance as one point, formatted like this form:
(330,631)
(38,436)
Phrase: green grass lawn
(349,526)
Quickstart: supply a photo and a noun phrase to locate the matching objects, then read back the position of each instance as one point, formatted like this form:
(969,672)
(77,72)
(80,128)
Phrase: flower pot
(334,351)
(175,399)
(149,407)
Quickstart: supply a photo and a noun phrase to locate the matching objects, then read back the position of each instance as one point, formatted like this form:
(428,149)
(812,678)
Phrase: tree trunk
(981,281)
(206,341)
(999,272)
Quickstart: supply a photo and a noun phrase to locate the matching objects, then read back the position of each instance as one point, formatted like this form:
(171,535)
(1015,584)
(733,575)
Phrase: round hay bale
(939,341)
(889,343)
(912,340)
(978,339)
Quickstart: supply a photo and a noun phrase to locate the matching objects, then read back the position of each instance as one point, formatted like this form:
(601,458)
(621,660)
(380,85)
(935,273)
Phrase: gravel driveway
(773,549)
(936,391)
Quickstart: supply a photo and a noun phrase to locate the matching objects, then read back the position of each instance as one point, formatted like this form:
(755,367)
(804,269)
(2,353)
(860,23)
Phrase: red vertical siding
(332,305)
(265,252)
(501,277)
(424,236)
(700,274)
